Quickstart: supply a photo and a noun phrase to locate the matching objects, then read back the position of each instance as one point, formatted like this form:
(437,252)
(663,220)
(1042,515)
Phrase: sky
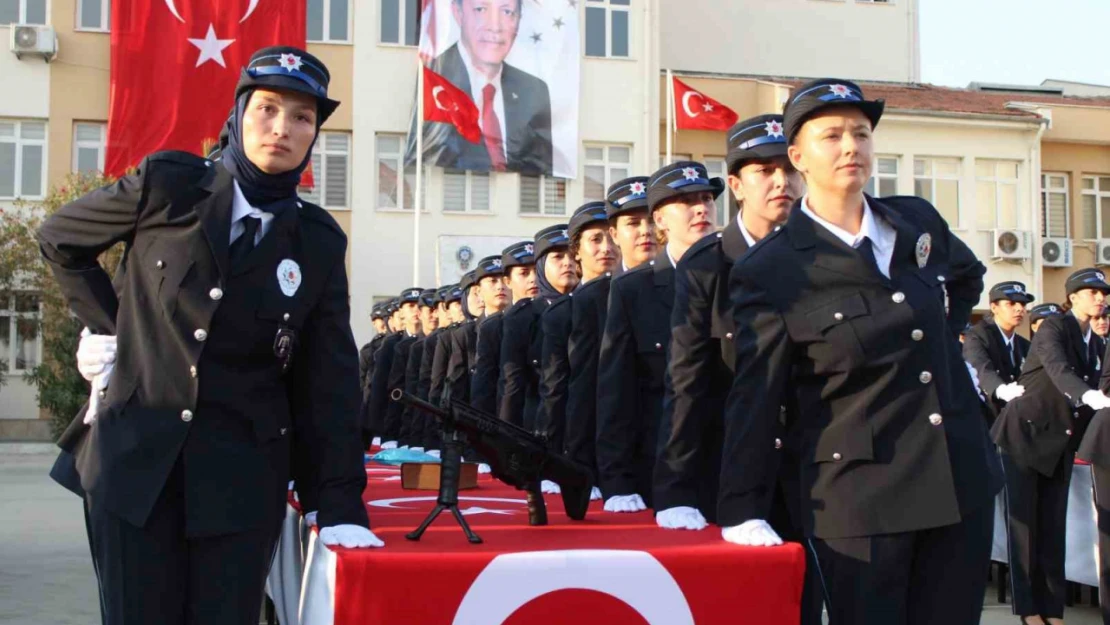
(1014,41)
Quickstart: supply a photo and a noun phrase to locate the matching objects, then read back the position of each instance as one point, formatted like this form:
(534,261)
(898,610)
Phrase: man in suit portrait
(514,106)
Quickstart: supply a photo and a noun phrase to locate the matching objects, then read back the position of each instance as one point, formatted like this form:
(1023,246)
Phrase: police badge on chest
(285,341)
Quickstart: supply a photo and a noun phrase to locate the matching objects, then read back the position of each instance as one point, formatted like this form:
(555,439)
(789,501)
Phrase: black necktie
(241,247)
(867,253)
(1092,352)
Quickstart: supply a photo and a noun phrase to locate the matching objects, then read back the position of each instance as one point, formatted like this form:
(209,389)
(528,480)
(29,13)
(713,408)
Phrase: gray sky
(1014,41)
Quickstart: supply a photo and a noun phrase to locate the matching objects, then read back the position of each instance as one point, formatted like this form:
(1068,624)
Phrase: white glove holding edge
(310,519)
(1096,400)
(389,445)
(595,494)
(350,536)
(625,503)
(95,353)
(1009,392)
(548,487)
(377,442)
(753,533)
(483,469)
(433,452)
(681,518)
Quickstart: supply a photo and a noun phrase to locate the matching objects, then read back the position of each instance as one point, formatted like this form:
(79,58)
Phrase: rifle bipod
(450,466)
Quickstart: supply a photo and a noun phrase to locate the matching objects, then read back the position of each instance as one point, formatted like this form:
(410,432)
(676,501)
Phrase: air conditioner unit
(1102,252)
(33,40)
(1056,252)
(1012,244)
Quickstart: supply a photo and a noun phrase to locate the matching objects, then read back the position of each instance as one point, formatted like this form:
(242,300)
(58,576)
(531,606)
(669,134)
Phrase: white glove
(433,452)
(377,442)
(1009,392)
(974,376)
(420,449)
(681,518)
(389,445)
(625,503)
(753,533)
(310,519)
(95,354)
(548,487)
(595,494)
(350,536)
(1096,400)
(403,447)
(483,469)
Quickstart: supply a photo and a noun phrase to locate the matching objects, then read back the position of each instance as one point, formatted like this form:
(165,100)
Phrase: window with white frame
(20,341)
(1095,198)
(331,171)
(93,14)
(938,181)
(396,182)
(716,168)
(23,12)
(328,20)
(465,191)
(884,177)
(400,22)
(605,164)
(996,194)
(607,27)
(22,159)
(1054,205)
(543,195)
(88,147)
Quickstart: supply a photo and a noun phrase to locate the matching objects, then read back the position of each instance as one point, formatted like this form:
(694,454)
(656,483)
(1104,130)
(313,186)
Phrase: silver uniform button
(839,316)
(728,336)
(941,278)
(200,335)
(917,335)
(1068,432)
(216,294)
(192,372)
(285,317)
(535,362)
(837,457)
(925,377)
(719,235)
(103,394)
(186,415)
(936,419)
(299,205)
(1084,378)
(898,297)
(778,443)
(159,264)
(658,346)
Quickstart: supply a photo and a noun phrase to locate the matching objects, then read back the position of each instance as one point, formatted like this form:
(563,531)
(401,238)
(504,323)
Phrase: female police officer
(845,305)
(233,330)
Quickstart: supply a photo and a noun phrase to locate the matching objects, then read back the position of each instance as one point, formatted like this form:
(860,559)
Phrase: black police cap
(292,69)
(410,295)
(1089,278)
(680,178)
(588,214)
(1013,291)
(1041,311)
(468,280)
(625,196)
(429,298)
(820,94)
(551,238)
(518,254)
(488,266)
(755,138)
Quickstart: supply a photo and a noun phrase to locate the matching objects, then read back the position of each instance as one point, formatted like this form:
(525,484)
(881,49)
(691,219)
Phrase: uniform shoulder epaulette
(517,307)
(314,213)
(757,251)
(179,157)
(495,316)
(710,241)
(635,271)
(592,285)
(558,303)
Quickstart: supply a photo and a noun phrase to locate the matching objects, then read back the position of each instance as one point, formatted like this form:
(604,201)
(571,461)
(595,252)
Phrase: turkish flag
(175,64)
(446,103)
(696,111)
(308,178)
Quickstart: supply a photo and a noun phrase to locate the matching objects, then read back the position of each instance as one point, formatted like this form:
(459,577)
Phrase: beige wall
(1076,160)
(1079,124)
(865,40)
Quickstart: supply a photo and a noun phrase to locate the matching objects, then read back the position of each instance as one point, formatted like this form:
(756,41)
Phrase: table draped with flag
(610,568)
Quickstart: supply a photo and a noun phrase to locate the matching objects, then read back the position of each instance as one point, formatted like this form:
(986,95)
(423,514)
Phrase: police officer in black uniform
(994,347)
(366,354)
(389,428)
(233,333)
(1038,435)
(630,229)
(633,358)
(1095,449)
(485,383)
(373,412)
(555,274)
(412,420)
(453,301)
(464,341)
(843,308)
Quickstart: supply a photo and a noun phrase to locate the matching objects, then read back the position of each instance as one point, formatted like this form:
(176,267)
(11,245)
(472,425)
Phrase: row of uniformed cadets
(1043,397)
(797,375)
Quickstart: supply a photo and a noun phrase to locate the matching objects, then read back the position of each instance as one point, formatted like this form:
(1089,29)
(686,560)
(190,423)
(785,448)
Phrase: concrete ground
(46,577)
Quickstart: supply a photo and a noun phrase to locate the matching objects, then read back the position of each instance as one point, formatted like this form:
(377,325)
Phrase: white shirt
(241,208)
(478,82)
(743,230)
(882,234)
(674,263)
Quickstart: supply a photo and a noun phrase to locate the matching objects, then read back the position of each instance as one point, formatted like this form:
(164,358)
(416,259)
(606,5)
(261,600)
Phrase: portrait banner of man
(518,60)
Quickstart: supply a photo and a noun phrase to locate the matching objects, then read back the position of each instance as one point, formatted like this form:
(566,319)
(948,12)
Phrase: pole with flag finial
(670,117)
(417,204)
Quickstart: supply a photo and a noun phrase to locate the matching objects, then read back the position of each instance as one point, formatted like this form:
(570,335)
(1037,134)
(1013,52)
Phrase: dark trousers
(926,577)
(785,521)
(1101,477)
(1036,519)
(156,574)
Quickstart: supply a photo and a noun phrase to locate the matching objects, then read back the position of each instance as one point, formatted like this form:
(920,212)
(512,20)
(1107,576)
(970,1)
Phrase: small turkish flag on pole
(696,111)
(446,103)
(308,178)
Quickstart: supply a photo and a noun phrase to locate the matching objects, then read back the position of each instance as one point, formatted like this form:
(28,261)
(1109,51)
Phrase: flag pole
(417,205)
(670,113)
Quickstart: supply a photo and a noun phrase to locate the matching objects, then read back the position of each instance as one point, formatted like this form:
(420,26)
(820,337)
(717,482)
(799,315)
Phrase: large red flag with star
(175,64)
(695,110)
